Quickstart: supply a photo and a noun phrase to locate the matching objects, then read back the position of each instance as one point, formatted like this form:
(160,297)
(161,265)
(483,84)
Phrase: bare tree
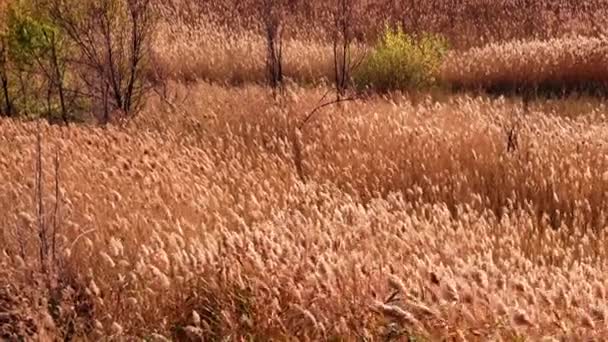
(272,20)
(112,38)
(52,66)
(7,109)
(342,39)
(57,75)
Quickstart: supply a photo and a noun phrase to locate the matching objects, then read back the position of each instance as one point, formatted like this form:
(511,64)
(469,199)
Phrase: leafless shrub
(112,38)
(341,40)
(273,20)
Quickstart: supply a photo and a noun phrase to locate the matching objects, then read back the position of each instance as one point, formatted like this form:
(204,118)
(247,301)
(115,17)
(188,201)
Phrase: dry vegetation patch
(217,214)
(415,220)
(209,51)
(205,50)
(557,64)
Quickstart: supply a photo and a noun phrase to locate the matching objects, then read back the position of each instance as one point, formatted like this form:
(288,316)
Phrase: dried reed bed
(208,51)
(212,52)
(466,23)
(558,63)
(198,226)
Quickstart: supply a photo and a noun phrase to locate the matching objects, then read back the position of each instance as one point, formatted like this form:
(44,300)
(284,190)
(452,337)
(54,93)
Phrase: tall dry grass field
(433,216)
(466,22)
(206,49)
(198,227)
(572,62)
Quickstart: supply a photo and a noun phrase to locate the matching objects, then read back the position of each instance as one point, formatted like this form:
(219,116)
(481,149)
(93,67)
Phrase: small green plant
(402,61)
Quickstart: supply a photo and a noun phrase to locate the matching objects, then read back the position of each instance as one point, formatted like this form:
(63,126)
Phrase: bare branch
(319,107)
(38,199)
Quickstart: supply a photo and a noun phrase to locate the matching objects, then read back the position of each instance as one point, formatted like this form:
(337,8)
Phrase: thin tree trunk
(135,57)
(274,41)
(8,107)
(58,80)
(42,231)
(106,105)
(56,213)
(341,45)
(24,92)
(4,81)
(111,67)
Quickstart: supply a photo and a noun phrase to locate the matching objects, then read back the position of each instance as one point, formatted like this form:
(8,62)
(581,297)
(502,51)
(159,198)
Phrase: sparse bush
(68,59)
(111,39)
(402,61)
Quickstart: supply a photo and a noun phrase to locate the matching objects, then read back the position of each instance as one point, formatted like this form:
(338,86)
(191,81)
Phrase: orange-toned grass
(190,222)
(216,53)
(565,62)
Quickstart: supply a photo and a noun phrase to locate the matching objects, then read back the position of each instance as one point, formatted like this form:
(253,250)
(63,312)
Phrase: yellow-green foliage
(28,37)
(34,48)
(401,61)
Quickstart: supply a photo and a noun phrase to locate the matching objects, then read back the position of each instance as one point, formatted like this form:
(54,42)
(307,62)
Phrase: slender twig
(297,156)
(323,97)
(38,197)
(80,236)
(319,107)
(297,148)
(57,204)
